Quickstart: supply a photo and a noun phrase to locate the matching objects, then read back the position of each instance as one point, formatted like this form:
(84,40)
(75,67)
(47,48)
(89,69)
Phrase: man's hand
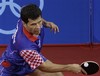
(51,25)
(76,68)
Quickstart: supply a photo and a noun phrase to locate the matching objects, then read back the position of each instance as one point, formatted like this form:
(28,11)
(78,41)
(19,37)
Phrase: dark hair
(30,11)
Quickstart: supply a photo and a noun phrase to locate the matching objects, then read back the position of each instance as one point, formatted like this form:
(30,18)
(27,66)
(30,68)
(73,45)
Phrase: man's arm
(34,59)
(50,25)
(76,68)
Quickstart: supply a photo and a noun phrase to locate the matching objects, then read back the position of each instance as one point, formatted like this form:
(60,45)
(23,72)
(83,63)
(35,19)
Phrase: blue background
(76,23)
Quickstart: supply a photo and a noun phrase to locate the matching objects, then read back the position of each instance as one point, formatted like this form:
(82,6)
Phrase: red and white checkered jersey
(32,57)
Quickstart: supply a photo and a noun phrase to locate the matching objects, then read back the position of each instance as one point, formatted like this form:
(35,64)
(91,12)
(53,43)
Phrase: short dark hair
(30,11)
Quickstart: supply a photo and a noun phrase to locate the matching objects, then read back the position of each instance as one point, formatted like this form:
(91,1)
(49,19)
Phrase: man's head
(31,17)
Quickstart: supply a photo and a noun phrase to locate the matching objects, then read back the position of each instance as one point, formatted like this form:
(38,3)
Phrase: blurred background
(78,21)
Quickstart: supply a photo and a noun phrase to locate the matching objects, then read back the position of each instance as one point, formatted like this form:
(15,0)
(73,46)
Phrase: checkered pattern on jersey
(33,58)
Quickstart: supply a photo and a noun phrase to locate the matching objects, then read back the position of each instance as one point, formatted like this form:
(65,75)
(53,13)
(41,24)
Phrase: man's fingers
(57,29)
(83,71)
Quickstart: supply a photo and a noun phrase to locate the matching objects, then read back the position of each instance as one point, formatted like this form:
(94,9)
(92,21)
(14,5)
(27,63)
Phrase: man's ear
(24,24)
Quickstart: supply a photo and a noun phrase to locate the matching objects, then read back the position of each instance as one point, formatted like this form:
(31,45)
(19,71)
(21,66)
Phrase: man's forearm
(56,68)
(44,22)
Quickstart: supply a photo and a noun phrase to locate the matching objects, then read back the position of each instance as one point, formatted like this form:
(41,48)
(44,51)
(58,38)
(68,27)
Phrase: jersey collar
(28,35)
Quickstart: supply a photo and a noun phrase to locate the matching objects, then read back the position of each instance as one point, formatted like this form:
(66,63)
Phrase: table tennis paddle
(91,67)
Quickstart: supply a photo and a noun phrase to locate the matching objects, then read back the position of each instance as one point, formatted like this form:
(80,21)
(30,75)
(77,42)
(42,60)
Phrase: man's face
(34,26)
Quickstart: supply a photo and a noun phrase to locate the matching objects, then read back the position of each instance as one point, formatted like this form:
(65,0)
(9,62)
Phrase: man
(23,55)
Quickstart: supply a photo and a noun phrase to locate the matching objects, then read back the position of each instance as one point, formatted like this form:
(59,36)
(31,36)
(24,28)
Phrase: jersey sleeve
(32,57)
